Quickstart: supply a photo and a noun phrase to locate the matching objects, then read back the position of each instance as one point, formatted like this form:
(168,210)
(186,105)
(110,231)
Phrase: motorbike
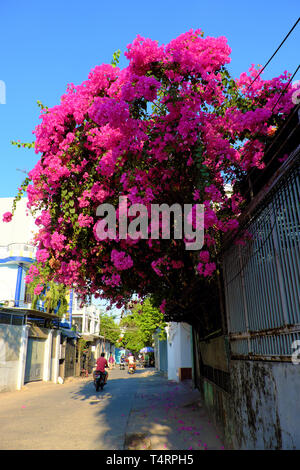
(131,369)
(99,380)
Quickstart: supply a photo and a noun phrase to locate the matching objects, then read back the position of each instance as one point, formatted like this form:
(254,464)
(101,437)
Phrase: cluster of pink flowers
(120,260)
(42,256)
(33,272)
(206,269)
(85,220)
(140,87)
(7,217)
(38,289)
(113,281)
(162,130)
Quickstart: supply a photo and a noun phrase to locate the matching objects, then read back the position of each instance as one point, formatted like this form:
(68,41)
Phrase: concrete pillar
(56,355)
(71,307)
(22,357)
(47,357)
(192,357)
(173,350)
(18,285)
(83,320)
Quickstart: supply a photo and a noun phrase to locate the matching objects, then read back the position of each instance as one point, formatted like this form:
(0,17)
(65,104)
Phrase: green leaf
(116,58)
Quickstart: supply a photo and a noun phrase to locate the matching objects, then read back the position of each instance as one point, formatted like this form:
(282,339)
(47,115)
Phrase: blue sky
(46,45)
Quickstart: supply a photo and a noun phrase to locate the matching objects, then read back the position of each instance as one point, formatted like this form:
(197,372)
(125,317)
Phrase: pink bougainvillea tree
(172,127)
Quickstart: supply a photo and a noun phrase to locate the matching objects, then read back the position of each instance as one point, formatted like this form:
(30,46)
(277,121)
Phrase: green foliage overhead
(109,328)
(132,338)
(140,324)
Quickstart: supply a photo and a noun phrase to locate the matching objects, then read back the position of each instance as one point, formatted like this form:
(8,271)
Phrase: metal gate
(262,281)
(34,359)
(70,359)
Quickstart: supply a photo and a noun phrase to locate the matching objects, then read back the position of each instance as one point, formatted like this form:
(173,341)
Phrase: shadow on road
(145,411)
(116,402)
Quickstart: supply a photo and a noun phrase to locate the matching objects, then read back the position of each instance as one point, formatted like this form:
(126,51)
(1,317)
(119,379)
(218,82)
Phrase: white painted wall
(179,348)
(47,357)
(8,281)
(12,344)
(22,358)
(55,357)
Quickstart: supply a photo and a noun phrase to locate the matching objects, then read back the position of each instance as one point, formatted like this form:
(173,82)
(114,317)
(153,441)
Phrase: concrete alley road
(140,411)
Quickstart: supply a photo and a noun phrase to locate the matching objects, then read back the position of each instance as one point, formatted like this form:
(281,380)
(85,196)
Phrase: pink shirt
(101,363)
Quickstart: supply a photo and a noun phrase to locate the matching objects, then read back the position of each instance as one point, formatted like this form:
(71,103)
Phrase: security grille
(262,276)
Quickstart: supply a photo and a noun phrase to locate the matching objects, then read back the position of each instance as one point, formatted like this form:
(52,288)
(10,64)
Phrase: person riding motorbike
(101,363)
(131,362)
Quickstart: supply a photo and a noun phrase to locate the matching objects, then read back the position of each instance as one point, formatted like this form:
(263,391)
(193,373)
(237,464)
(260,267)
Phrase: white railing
(24,250)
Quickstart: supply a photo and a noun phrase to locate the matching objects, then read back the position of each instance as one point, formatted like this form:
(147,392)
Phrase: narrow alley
(143,411)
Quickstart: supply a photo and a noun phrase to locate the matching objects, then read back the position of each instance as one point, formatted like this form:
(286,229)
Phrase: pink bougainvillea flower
(38,289)
(7,217)
(166,129)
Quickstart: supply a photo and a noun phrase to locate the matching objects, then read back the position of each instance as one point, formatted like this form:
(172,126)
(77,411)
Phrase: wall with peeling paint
(262,410)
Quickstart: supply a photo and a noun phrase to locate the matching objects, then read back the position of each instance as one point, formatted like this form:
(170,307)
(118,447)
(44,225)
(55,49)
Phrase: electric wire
(289,33)
(283,91)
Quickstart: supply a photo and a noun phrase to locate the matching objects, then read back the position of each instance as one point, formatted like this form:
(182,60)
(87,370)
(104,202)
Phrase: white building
(86,318)
(179,351)
(16,253)
(30,349)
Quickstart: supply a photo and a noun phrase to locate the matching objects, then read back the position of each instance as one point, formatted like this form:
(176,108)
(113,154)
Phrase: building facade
(34,344)
(179,351)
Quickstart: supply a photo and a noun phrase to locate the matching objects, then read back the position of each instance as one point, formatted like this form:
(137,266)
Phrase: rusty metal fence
(262,276)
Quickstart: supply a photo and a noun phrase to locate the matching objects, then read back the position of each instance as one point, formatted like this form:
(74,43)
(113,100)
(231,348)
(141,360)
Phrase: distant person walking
(111,362)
